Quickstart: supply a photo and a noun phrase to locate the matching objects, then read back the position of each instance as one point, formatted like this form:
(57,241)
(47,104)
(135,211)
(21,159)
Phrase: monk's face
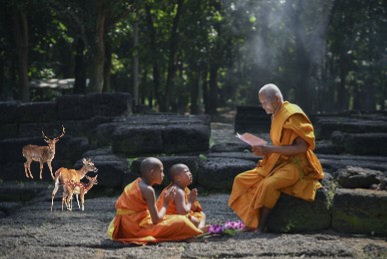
(158,174)
(185,177)
(269,105)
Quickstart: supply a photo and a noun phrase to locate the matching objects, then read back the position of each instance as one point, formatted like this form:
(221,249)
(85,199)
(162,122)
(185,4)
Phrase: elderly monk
(139,221)
(288,165)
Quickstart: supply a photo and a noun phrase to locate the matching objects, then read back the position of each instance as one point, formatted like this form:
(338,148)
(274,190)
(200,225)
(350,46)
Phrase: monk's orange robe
(295,175)
(133,222)
(171,209)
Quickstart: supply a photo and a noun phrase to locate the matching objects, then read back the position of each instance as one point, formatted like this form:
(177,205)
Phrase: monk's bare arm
(182,208)
(148,194)
(299,146)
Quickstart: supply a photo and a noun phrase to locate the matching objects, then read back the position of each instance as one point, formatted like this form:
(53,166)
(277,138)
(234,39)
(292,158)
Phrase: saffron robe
(133,222)
(296,175)
(171,209)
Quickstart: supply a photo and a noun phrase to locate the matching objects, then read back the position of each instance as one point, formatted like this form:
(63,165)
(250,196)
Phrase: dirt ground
(33,231)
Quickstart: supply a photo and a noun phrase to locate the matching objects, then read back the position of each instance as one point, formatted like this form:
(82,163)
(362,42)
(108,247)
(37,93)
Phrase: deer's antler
(63,132)
(44,135)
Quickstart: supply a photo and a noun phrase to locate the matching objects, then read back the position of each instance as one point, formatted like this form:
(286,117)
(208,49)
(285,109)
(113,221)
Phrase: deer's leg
(69,201)
(83,201)
(53,194)
(49,167)
(29,168)
(26,168)
(41,169)
(64,196)
(79,207)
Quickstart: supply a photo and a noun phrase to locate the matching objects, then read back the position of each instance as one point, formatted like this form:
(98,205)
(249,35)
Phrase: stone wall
(117,141)
(99,126)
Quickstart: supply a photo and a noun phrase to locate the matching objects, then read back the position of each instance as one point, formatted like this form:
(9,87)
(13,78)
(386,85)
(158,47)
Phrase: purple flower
(228,228)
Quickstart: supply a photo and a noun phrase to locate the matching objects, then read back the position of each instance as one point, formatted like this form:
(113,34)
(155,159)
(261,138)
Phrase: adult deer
(80,188)
(41,154)
(62,175)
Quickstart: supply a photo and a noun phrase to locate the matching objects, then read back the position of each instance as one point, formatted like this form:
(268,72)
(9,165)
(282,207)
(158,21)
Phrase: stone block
(357,177)
(51,129)
(360,211)
(81,107)
(219,173)
(72,149)
(37,112)
(14,171)
(294,215)
(8,111)
(238,155)
(185,138)
(237,146)
(251,119)
(137,140)
(74,107)
(325,126)
(110,104)
(362,143)
(12,148)
(111,169)
(8,130)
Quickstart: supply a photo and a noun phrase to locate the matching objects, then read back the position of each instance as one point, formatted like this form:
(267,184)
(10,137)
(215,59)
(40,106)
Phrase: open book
(251,139)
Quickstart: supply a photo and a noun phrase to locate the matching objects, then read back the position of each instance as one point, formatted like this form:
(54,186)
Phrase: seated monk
(288,165)
(138,221)
(185,201)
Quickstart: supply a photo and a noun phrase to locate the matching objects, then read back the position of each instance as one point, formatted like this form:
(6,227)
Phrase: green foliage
(210,53)
(202,157)
(288,228)
(331,193)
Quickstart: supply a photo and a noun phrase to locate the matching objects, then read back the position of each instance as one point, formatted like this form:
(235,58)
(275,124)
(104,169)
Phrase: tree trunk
(195,81)
(80,67)
(153,49)
(20,30)
(205,93)
(135,64)
(98,51)
(107,68)
(173,42)
(213,91)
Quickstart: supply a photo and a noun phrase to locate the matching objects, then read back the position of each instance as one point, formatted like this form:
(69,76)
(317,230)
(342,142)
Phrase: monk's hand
(260,150)
(170,195)
(193,195)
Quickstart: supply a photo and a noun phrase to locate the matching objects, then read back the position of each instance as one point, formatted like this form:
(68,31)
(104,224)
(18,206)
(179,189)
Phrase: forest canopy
(194,56)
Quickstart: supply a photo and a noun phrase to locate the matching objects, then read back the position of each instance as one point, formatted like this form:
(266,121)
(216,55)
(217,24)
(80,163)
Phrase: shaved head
(149,164)
(176,169)
(270,91)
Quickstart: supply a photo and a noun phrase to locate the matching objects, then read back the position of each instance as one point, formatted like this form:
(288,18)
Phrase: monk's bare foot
(205,228)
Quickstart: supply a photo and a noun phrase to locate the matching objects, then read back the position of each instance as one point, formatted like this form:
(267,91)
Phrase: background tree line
(198,55)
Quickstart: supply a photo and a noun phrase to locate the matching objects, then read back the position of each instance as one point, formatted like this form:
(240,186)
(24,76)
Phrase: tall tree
(20,31)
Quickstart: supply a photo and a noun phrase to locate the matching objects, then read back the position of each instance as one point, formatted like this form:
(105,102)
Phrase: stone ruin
(103,127)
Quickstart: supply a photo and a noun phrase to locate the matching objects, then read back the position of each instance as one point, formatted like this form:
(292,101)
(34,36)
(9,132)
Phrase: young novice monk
(138,220)
(185,201)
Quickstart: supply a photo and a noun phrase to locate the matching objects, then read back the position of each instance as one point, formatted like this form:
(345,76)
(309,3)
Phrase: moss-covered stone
(360,211)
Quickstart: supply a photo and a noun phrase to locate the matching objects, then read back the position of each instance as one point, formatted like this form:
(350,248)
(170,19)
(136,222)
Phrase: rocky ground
(31,230)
